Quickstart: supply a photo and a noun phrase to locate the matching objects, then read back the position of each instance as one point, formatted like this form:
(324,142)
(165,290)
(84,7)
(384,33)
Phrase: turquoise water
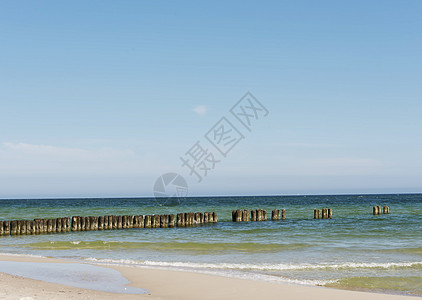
(353,250)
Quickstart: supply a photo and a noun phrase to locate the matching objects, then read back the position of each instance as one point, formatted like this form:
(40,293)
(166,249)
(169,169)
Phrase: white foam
(261,267)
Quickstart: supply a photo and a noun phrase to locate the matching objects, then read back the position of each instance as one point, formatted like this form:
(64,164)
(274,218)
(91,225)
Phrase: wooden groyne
(110,222)
(376,210)
(113,222)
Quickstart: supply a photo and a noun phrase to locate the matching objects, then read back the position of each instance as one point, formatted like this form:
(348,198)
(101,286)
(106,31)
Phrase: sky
(101,98)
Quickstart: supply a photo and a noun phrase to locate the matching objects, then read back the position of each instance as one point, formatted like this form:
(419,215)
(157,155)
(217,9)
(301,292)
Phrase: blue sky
(100,98)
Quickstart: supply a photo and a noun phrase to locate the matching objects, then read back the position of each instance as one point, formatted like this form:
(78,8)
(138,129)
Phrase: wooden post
(275,214)
(131,221)
(156,221)
(2,228)
(206,217)
(148,221)
(180,222)
(386,210)
(22,227)
(198,219)
(330,213)
(375,210)
(28,227)
(58,225)
(189,219)
(171,221)
(164,221)
(253,215)
(37,226)
(210,217)
(317,214)
(238,215)
(124,222)
(245,215)
(259,215)
(6,227)
(101,223)
(64,225)
(119,222)
(283,214)
(141,221)
(135,221)
(74,223)
(13,227)
(214,217)
(50,225)
(18,227)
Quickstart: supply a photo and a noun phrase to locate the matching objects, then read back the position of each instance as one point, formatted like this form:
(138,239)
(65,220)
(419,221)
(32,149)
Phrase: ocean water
(354,250)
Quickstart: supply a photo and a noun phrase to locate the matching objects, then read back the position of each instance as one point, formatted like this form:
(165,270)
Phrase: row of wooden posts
(376,210)
(257,215)
(77,223)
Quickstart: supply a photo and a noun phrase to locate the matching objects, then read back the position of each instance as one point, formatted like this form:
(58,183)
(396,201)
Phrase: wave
(167,246)
(262,267)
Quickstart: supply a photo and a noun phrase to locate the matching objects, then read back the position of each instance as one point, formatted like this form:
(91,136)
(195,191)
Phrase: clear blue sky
(98,98)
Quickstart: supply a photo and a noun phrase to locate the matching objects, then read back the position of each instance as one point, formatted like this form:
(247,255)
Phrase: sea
(354,250)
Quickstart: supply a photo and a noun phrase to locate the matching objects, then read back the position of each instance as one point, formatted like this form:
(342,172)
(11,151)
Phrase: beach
(167,284)
(355,250)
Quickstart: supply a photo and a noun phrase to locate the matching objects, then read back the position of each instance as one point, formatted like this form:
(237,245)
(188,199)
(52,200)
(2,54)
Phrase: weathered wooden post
(317,214)
(180,222)
(101,223)
(265,215)
(156,221)
(206,217)
(28,227)
(275,214)
(6,227)
(131,220)
(124,222)
(237,215)
(147,221)
(375,210)
(141,221)
(210,217)
(214,217)
(37,226)
(330,213)
(106,224)
(189,219)
(74,223)
(21,227)
(259,215)
(245,215)
(1,229)
(13,227)
(58,224)
(18,227)
(119,222)
(283,214)
(198,218)
(386,210)
(164,221)
(49,225)
(253,215)
(171,220)
(64,225)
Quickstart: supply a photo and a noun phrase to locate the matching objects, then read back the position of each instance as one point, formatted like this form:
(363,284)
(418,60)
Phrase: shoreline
(171,284)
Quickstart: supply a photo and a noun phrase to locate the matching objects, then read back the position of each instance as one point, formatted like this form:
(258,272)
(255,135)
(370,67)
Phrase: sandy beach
(166,284)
